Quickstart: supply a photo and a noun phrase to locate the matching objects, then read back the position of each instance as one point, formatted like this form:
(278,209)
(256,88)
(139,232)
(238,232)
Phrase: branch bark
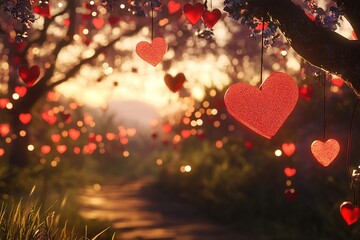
(325,49)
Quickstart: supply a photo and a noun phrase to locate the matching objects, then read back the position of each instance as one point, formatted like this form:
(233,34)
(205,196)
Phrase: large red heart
(153,52)
(193,12)
(326,152)
(350,213)
(288,148)
(173,6)
(29,75)
(25,118)
(211,18)
(174,83)
(263,110)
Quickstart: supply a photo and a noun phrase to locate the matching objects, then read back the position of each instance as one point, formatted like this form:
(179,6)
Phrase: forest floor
(138,210)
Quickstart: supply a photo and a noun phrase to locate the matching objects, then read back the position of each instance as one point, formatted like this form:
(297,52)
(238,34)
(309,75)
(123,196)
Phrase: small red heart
(110,136)
(74,134)
(166,128)
(61,148)
(350,213)
(288,148)
(306,92)
(49,117)
(65,116)
(4,102)
(29,75)
(42,10)
(55,137)
(98,22)
(193,13)
(185,133)
(326,152)
(4,129)
(25,118)
(211,18)
(45,149)
(263,110)
(173,6)
(153,52)
(21,90)
(174,83)
(289,172)
(77,150)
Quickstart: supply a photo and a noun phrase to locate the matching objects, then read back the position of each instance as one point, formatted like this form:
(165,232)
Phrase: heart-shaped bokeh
(173,6)
(25,118)
(350,213)
(98,22)
(153,52)
(174,83)
(289,172)
(263,110)
(211,18)
(193,13)
(288,148)
(74,134)
(29,75)
(326,152)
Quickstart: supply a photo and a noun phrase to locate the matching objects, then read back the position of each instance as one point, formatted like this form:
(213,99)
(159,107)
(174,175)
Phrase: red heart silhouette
(98,22)
(61,148)
(25,118)
(173,6)
(306,92)
(74,134)
(350,213)
(211,18)
(174,83)
(45,149)
(263,110)
(326,152)
(4,129)
(193,13)
(55,137)
(42,10)
(29,76)
(288,148)
(153,52)
(21,90)
(289,172)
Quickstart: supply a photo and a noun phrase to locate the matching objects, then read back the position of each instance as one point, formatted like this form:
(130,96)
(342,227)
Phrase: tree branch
(322,48)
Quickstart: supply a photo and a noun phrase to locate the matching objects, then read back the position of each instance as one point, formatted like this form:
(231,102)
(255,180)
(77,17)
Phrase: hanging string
(324,95)
(352,186)
(262,50)
(152,20)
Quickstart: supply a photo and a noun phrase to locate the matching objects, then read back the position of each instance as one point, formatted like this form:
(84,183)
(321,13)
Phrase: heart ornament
(173,6)
(193,12)
(29,75)
(350,213)
(153,52)
(263,110)
(326,152)
(211,18)
(174,83)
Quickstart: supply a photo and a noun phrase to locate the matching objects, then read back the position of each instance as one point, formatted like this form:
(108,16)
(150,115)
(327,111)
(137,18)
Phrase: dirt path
(139,211)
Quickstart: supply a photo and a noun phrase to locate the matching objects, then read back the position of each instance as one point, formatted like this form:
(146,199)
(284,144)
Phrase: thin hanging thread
(262,50)
(352,187)
(324,93)
(152,20)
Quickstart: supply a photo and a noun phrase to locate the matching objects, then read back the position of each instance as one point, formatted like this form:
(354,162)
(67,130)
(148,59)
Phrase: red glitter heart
(193,12)
(263,110)
(29,75)
(153,52)
(174,83)
(211,18)
(350,213)
(326,152)
(25,118)
(288,148)
(173,6)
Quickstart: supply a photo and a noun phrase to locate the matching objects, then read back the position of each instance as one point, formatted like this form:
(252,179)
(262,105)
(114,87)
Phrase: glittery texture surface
(153,52)
(326,152)
(263,110)
(350,213)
